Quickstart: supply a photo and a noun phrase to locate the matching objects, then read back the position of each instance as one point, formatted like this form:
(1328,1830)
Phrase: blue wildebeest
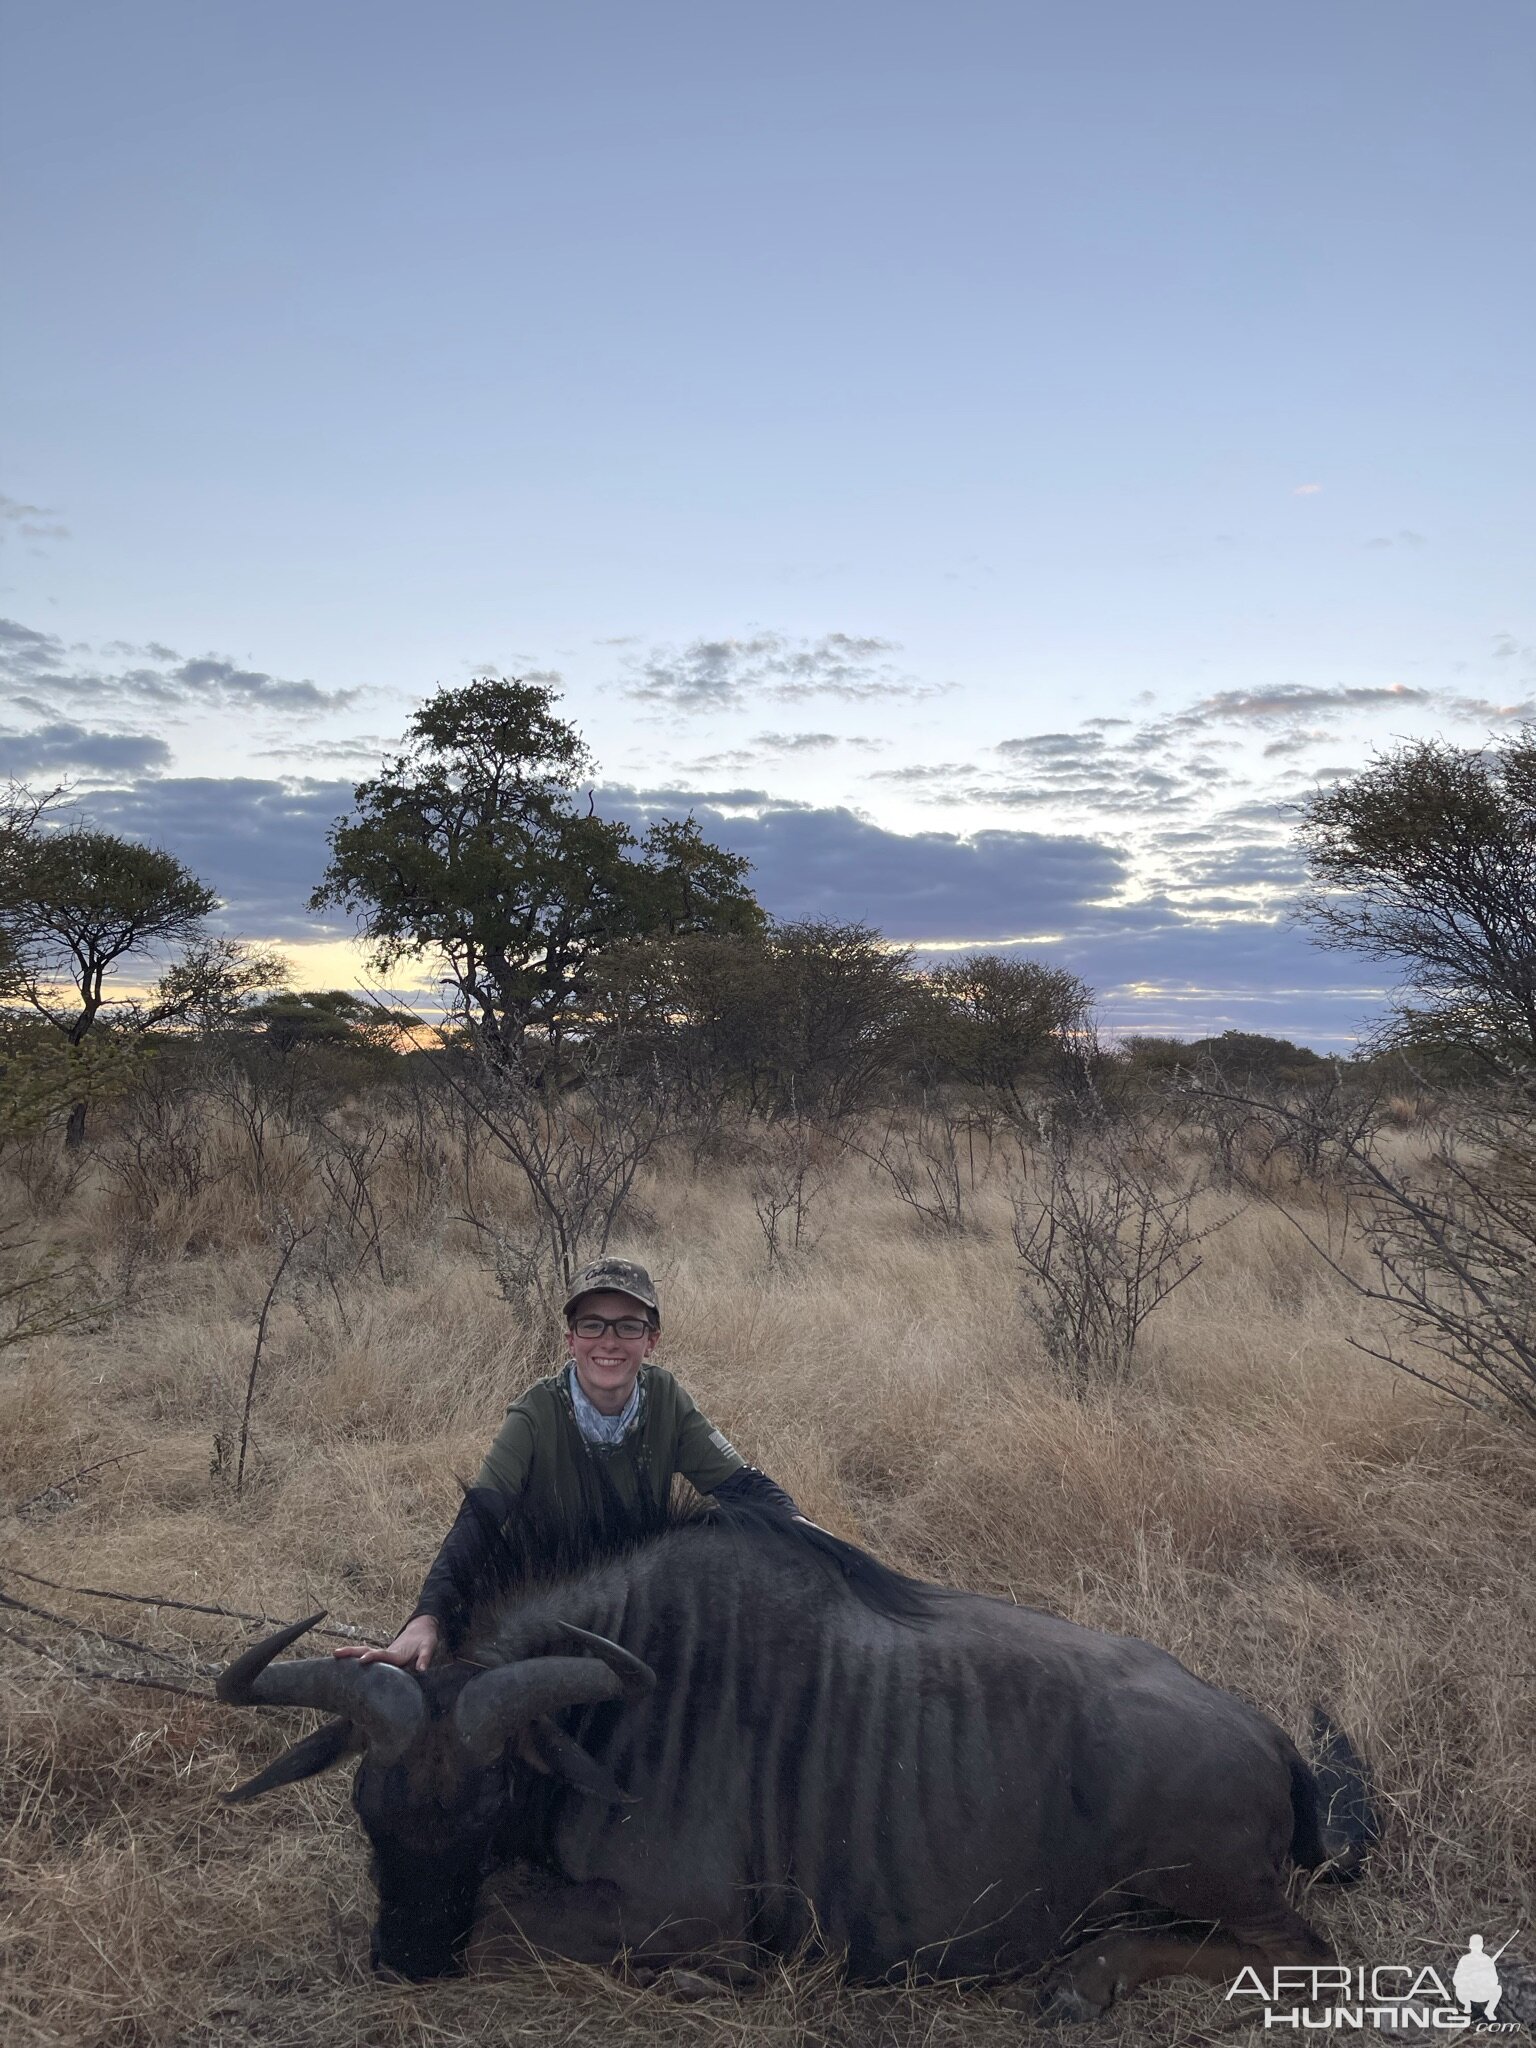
(754,1734)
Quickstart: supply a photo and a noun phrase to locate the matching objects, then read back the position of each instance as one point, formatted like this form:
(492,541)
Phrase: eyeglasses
(629,1327)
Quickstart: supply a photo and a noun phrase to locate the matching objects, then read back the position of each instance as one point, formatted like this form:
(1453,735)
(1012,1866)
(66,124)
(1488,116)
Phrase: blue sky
(986,458)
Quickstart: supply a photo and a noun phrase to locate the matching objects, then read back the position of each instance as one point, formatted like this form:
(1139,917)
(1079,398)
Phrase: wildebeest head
(440,1757)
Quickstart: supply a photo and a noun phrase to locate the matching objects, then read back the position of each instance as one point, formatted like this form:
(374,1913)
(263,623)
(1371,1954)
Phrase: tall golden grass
(1294,1520)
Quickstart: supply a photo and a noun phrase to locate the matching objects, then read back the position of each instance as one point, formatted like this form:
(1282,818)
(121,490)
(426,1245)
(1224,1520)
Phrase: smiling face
(608,1365)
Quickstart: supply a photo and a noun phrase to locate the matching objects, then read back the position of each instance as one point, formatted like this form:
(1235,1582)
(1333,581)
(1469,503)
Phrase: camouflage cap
(615,1276)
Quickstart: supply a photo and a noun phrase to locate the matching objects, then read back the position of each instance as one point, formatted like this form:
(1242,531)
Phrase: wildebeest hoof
(692,1986)
(1064,2005)
(1081,1993)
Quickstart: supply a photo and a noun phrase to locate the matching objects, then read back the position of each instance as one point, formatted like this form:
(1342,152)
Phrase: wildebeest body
(960,1788)
(768,1739)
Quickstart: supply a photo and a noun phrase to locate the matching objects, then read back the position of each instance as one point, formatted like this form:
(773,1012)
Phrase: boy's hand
(413,1649)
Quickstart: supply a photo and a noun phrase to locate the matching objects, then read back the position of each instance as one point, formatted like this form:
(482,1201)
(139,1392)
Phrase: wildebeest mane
(524,1553)
(865,1579)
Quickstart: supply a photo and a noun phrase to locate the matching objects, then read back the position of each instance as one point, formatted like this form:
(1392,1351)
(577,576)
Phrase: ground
(1293,1519)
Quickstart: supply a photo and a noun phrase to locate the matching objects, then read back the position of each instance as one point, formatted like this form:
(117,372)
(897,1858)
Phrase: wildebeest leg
(1098,1973)
(582,1922)
(588,1923)
(705,1977)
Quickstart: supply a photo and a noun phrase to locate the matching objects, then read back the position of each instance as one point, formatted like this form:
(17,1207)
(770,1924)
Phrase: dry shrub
(1292,1518)
(1103,1241)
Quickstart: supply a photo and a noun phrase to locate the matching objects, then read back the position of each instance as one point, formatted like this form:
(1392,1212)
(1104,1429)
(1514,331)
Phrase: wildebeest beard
(437,1821)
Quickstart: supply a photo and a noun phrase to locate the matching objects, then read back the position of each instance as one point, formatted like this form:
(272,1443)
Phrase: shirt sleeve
(457,1568)
(508,1461)
(704,1456)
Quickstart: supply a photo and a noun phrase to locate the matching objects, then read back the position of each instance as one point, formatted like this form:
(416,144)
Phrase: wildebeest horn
(383,1702)
(493,1707)
(637,1679)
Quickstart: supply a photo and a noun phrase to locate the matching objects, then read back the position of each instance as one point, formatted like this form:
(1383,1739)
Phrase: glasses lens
(631,1326)
(622,1326)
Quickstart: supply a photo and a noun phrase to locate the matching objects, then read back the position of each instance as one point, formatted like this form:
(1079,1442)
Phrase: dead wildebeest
(751,1733)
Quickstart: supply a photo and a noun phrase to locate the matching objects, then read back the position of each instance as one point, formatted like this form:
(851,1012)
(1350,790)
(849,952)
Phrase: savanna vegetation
(1224,1344)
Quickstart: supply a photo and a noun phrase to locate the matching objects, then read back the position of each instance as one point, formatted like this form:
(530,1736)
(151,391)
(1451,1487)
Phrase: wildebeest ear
(550,1750)
(306,1759)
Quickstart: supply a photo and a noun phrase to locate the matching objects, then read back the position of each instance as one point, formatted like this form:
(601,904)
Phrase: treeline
(562,940)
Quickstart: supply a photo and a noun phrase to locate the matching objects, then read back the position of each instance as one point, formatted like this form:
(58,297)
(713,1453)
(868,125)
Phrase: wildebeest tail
(1336,1820)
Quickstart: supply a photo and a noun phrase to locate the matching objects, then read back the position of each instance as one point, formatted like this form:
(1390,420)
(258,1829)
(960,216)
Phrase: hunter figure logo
(1475,1979)
(1385,1997)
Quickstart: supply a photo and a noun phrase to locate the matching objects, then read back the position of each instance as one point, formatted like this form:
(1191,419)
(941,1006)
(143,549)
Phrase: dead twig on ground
(341,1629)
(140,1679)
(85,1627)
(55,1485)
(290,1240)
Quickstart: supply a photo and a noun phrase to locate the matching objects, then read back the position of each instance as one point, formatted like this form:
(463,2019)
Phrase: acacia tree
(79,906)
(469,847)
(806,1016)
(1428,860)
(992,1022)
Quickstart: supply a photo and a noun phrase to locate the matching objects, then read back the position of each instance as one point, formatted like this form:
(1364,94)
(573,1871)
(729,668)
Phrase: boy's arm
(713,1464)
(449,1585)
(483,1512)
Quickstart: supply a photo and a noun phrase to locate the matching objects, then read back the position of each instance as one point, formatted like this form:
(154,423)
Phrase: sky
(986,460)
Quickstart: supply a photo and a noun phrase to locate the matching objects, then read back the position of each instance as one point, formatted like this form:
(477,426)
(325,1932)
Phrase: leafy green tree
(79,907)
(995,1023)
(293,1019)
(21,813)
(808,1015)
(1248,1056)
(1428,860)
(469,848)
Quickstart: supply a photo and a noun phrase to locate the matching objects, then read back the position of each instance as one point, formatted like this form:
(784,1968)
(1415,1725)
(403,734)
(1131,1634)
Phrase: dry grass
(1293,1520)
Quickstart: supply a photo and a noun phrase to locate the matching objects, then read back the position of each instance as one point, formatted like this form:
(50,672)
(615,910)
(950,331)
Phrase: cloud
(784,743)
(719,675)
(1507,648)
(32,522)
(1045,748)
(1296,742)
(1485,709)
(62,751)
(367,748)
(1305,490)
(25,653)
(261,844)
(734,757)
(1120,791)
(830,862)
(1304,700)
(937,771)
(677,799)
(60,677)
(1405,537)
(221,681)
(783,746)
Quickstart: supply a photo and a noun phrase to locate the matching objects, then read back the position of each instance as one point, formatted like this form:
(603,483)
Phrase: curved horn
(637,1679)
(493,1707)
(381,1700)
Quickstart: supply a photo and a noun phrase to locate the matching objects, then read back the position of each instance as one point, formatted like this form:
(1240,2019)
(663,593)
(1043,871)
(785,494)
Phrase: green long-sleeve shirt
(544,1467)
(550,1487)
